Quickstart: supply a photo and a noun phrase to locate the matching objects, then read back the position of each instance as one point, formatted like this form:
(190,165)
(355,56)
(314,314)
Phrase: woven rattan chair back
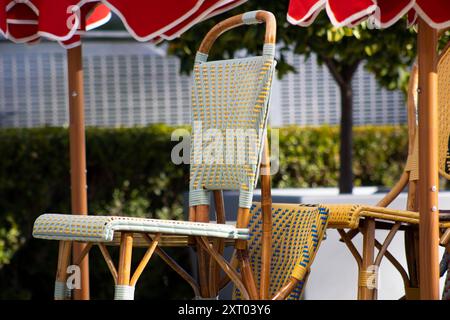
(297,233)
(444,112)
(229,116)
(443,71)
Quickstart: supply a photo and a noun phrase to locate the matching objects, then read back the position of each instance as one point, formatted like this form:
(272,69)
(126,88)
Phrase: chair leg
(446,289)
(218,245)
(382,250)
(123,289)
(412,262)
(214,270)
(203,272)
(412,245)
(247,274)
(62,292)
(243,219)
(226,267)
(365,291)
(202,215)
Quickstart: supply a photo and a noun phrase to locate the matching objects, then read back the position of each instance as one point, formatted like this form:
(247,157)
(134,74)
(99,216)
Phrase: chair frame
(210,282)
(369,225)
(210,251)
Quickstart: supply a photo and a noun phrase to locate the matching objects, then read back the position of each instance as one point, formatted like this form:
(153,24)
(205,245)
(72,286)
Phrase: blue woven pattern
(297,233)
(229,113)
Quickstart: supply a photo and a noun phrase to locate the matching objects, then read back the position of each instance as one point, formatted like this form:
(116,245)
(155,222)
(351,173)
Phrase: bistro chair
(351,219)
(229,97)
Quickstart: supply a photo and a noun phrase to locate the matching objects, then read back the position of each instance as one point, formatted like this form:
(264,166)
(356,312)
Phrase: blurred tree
(388,54)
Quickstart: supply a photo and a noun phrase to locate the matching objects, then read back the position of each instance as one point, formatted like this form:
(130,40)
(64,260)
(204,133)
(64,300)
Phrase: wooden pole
(78,157)
(428,163)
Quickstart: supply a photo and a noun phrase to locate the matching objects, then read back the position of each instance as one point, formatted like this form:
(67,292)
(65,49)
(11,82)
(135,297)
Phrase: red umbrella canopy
(150,19)
(65,20)
(383,13)
(208,9)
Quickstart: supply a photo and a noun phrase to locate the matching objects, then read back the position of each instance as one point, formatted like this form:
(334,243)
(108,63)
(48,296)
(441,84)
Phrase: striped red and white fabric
(64,20)
(95,16)
(168,19)
(340,12)
(383,13)
(27,21)
(208,9)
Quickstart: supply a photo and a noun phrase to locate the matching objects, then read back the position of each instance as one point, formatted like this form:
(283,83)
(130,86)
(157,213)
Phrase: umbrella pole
(428,163)
(78,158)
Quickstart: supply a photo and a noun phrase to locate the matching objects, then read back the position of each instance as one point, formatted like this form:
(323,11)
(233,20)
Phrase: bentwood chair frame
(309,235)
(209,238)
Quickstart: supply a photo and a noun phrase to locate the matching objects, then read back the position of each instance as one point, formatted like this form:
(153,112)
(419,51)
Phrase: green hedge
(309,157)
(130,173)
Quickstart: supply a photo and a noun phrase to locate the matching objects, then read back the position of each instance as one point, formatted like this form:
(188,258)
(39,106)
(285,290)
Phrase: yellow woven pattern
(353,213)
(412,163)
(230,98)
(297,232)
(343,216)
(444,111)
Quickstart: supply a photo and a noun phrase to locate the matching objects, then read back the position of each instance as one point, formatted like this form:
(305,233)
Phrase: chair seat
(89,228)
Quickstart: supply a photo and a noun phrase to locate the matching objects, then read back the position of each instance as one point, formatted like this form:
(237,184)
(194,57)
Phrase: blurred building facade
(135,84)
